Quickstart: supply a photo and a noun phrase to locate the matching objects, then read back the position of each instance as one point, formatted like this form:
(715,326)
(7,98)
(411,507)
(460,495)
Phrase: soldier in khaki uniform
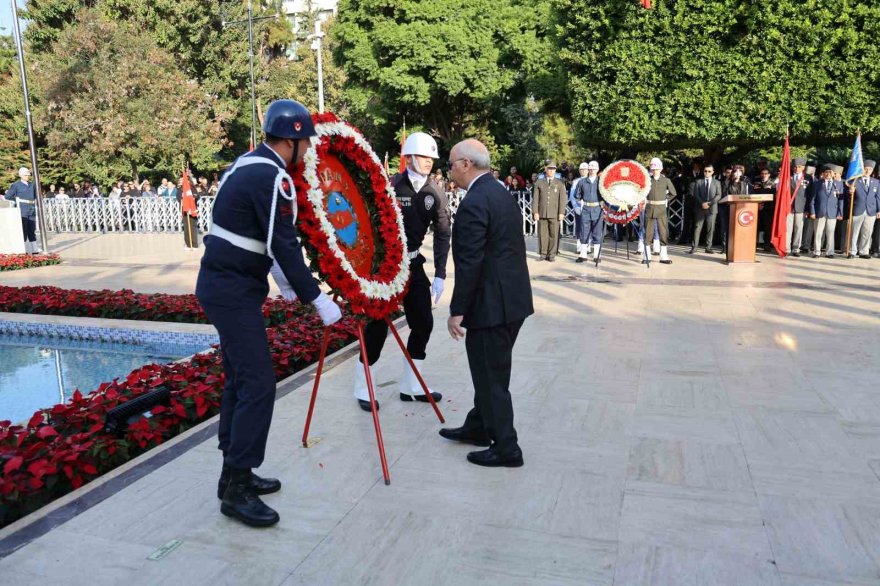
(549,200)
(661,189)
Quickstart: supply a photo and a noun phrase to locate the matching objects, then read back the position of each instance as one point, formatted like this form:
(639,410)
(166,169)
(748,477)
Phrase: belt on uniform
(412,254)
(591,204)
(20,201)
(243,242)
(657,203)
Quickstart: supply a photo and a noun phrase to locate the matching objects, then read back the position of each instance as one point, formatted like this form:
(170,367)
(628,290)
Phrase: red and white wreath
(349,219)
(624,185)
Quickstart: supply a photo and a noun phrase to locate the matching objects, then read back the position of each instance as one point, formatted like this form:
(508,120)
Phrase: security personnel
(794,221)
(825,207)
(548,203)
(24,194)
(662,189)
(865,210)
(588,212)
(232,286)
(423,204)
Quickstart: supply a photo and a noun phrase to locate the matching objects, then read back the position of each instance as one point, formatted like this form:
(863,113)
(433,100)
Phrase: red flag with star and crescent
(779,233)
(187,201)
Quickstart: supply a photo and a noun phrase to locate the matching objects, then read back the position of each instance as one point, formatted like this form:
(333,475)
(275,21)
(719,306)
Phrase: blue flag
(856,166)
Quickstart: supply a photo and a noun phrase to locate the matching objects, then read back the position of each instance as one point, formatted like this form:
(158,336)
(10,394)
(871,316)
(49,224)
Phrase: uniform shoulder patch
(429,202)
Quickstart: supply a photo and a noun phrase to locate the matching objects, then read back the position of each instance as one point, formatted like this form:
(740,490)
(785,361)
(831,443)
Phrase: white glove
(437,288)
(286,290)
(327,309)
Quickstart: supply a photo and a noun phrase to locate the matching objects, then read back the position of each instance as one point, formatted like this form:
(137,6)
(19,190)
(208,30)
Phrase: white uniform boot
(596,249)
(361,393)
(664,256)
(641,247)
(656,246)
(410,388)
(584,253)
(646,255)
(578,246)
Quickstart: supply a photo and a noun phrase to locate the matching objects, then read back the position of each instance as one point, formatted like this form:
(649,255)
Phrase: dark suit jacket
(492,285)
(701,195)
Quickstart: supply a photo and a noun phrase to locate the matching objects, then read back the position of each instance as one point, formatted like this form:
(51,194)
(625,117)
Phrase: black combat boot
(241,501)
(261,485)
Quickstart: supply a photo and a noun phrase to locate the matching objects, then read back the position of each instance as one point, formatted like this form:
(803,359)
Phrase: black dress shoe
(579,259)
(666,262)
(551,258)
(260,485)
(849,256)
(710,251)
(421,398)
(240,501)
(365,405)
(795,253)
(491,459)
(466,436)
(864,256)
(691,251)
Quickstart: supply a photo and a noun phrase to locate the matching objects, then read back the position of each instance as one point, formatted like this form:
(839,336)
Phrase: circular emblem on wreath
(745,218)
(349,219)
(624,185)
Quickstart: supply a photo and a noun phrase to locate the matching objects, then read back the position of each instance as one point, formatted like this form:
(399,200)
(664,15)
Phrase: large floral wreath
(624,185)
(374,286)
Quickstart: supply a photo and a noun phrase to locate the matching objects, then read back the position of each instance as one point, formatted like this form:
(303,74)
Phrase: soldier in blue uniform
(865,210)
(825,207)
(423,204)
(588,213)
(232,285)
(24,193)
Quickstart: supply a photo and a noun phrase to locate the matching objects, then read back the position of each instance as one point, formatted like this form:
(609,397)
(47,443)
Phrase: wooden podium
(742,238)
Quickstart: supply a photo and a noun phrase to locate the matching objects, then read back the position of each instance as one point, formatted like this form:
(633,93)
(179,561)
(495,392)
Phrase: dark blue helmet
(288,119)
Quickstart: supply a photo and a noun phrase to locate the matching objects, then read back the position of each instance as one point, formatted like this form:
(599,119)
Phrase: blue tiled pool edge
(106,334)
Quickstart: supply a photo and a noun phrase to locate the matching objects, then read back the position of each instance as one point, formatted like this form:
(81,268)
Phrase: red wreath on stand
(351,226)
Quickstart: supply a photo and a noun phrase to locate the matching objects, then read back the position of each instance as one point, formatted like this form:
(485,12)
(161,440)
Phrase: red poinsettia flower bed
(124,304)
(64,447)
(13,262)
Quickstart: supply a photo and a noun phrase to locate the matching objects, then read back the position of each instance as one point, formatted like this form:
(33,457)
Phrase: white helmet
(422,144)
(593,166)
(656,164)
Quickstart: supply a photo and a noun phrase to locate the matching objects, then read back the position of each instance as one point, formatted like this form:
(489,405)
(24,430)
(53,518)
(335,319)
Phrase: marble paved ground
(683,425)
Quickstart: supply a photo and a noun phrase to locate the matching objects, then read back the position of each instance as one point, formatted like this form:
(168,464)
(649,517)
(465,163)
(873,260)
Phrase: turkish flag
(779,233)
(187,201)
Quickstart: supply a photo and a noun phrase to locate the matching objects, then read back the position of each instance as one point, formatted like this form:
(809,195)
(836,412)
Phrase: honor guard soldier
(588,212)
(548,207)
(583,171)
(423,204)
(865,210)
(232,285)
(24,193)
(825,207)
(661,191)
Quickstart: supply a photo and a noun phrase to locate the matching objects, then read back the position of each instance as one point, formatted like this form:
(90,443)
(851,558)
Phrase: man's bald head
(468,160)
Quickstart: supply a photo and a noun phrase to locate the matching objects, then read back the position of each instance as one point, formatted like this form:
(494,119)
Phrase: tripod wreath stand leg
(415,370)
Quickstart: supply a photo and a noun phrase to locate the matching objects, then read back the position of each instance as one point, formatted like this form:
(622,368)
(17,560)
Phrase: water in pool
(36,373)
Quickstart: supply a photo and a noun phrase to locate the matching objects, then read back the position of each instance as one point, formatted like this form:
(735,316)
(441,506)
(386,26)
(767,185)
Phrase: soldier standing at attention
(588,212)
(24,193)
(548,204)
(661,190)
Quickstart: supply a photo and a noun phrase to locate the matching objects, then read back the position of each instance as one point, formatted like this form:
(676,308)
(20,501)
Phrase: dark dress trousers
(493,293)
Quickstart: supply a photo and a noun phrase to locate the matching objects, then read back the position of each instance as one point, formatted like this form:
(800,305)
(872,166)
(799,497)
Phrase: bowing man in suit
(705,193)
(490,301)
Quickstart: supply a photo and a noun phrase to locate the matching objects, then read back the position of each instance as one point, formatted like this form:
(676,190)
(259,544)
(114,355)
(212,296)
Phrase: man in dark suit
(491,299)
(705,193)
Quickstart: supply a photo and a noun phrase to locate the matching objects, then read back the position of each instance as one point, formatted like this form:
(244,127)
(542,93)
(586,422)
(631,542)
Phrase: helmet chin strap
(413,168)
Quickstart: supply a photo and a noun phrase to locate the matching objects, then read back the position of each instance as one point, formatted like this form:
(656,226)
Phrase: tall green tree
(719,73)
(446,65)
(115,103)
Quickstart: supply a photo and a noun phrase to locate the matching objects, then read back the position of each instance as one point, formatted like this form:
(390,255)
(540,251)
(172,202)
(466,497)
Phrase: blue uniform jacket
(231,276)
(825,203)
(25,191)
(867,198)
(588,192)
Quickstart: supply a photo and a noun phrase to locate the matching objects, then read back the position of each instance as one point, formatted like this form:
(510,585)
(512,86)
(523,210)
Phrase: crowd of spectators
(122,190)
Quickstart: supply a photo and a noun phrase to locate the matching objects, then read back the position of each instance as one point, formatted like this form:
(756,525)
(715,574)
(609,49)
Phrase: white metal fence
(150,214)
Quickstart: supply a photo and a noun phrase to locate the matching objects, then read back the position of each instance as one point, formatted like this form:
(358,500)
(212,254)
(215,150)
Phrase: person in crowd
(190,220)
(662,190)
(825,208)
(737,184)
(423,205)
(515,185)
(214,187)
(549,203)
(865,210)
(77,191)
(51,193)
(765,184)
(24,193)
(490,302)
(62,194)
(515,175)
(705,193)
(794,222)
